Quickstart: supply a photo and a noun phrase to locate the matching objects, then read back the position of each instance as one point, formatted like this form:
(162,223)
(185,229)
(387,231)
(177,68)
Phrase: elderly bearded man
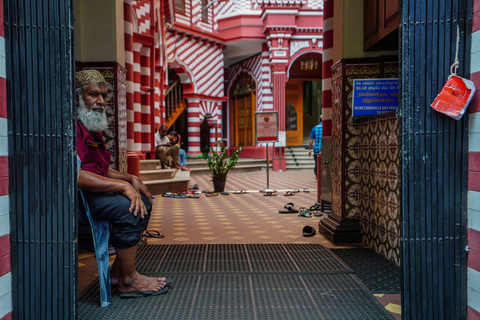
(120,198)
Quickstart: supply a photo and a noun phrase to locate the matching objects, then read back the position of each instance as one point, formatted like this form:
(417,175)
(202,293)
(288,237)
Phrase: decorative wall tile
(365,164)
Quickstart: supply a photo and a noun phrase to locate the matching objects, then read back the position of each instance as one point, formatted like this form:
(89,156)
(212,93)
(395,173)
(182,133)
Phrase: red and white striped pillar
(5,265)
(193,115)
(158,102)
(279,80)
(473,231)
(145,99)
(326,67)
(137,98)
(128,25)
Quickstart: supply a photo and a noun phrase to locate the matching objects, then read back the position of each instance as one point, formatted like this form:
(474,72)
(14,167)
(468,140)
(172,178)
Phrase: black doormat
(268,281)
(374,270)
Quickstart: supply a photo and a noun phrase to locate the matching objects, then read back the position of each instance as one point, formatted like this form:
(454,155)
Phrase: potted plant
(220,164)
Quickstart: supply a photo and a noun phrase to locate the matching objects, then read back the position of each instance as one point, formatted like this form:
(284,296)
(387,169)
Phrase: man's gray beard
(91,120)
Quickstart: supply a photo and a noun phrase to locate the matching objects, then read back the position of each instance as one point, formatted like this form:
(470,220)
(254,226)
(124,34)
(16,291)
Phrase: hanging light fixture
(309,64)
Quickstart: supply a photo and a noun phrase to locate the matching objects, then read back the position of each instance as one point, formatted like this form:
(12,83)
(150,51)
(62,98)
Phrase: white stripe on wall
(474,219)
(5,294)
(4,215)
(3,146)
(474,142)
(473,291)
(474,122)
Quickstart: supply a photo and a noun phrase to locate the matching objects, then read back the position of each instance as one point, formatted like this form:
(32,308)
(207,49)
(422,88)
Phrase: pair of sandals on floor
(292,193)
(303,211)
(181,195)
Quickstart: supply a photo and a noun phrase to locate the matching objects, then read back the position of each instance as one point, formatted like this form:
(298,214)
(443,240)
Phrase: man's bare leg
(129,280)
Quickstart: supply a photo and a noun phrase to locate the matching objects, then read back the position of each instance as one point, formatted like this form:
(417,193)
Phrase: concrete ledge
(149,175)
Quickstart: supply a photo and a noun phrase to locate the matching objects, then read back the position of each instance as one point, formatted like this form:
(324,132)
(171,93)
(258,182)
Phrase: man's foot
(140,283)
(184,168)
(115,273)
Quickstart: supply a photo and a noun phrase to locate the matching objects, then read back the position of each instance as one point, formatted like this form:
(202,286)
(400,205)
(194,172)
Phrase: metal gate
(434,160)
(42,157)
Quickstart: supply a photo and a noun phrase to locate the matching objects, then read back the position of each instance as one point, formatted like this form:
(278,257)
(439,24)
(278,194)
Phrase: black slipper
(142,294)
(225,193)
(270,194)
(308,231)
(290,208)
(154,234)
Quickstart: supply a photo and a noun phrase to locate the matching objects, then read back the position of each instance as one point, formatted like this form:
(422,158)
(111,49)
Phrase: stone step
(201,164)
(149,164)
(178,183)
(302,167)
(238,168)
(149,175)
(302,157)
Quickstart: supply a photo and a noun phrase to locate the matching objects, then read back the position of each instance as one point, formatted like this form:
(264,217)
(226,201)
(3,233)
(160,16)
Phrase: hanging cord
(456,64)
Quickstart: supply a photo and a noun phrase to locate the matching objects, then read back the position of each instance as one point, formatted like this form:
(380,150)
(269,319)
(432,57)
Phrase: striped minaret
(128,25)
(137,98)
(326,65)
(5,267)
(145,98)
(473,231)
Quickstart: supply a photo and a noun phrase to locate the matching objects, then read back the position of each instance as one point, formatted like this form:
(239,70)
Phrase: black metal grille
(434,160)
(233,288)
(42,163)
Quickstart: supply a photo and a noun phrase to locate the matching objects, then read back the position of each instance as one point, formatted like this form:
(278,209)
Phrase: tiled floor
(238,218)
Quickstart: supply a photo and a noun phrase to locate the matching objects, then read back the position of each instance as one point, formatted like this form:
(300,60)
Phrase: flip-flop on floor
(142,294)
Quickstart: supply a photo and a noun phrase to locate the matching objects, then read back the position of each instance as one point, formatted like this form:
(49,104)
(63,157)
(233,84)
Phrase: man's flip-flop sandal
(296,191)
(225,193)
(167,194)
(289,208)
(142,294)
(192,196)
(154,234)
(289,194)
(270,194)
(304,212)
(240,192)
(316,210)
(306,190)
(211,194)
(178,195)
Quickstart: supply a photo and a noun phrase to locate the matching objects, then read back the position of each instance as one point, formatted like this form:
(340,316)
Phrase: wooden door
(242,119)
(294,112)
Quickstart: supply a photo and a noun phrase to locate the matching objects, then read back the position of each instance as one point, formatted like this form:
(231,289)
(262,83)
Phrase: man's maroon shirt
(92,151)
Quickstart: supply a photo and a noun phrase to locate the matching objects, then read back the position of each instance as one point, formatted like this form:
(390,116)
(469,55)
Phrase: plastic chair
(101,235)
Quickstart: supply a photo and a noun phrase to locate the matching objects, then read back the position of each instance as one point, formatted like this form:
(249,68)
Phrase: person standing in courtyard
(316,142)
(120,198)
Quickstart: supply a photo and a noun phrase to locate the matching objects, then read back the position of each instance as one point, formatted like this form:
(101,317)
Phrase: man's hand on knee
(137,205)
(141,188)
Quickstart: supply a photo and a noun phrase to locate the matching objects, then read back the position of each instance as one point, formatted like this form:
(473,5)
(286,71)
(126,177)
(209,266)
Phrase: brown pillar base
(339,230)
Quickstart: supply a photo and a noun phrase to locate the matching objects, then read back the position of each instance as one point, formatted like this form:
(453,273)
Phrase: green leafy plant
(220,163)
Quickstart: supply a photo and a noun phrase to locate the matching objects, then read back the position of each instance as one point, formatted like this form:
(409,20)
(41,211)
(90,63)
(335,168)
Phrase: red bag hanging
(455,97)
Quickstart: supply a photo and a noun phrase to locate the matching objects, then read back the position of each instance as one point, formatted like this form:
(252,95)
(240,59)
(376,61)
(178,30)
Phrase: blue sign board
(375,96)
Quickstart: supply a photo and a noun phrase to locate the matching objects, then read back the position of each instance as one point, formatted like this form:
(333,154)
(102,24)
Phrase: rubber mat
(373,269)
(304,281)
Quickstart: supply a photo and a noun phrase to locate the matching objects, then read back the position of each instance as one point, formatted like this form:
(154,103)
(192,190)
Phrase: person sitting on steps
(120,198)
(182,157)
(164,148)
